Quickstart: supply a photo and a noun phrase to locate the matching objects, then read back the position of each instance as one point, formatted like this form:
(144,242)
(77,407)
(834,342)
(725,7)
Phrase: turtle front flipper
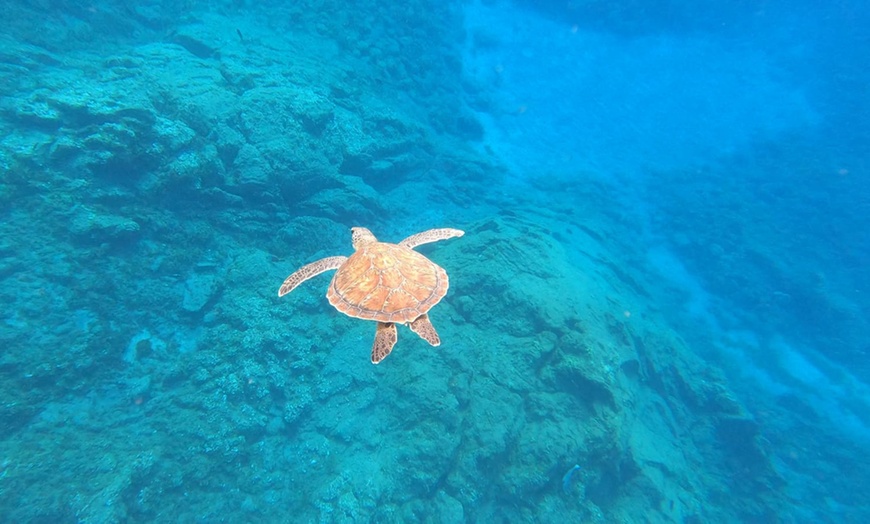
(431,235)
(385,339)
(425,329)
(311,270)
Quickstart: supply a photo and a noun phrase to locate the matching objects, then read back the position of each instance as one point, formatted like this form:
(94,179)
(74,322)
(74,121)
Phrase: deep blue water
(663,276)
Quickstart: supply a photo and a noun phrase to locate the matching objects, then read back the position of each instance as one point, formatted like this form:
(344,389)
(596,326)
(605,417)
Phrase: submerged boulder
(90,225)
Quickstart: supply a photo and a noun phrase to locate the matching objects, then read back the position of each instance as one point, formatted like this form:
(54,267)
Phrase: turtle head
(361,236)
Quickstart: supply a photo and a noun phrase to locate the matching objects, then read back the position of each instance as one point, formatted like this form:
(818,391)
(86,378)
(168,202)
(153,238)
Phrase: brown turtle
(387,283)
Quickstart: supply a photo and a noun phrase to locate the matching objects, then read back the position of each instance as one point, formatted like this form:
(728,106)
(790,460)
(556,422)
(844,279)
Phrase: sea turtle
(387,283)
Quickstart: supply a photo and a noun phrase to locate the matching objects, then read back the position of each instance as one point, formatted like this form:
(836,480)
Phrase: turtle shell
(387,283)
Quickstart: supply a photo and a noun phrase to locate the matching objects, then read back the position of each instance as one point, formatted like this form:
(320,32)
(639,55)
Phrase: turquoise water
(657,312)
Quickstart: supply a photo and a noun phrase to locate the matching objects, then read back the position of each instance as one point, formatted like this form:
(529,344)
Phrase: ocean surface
(657,312)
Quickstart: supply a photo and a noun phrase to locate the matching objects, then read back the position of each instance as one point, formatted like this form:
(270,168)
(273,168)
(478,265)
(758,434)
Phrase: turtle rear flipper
(385,339)
(423,327)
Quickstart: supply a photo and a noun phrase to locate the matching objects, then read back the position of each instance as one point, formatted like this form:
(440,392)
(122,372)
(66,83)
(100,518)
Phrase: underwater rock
(253,170)
(391,169)
(580,377)
(102,128)
(143,344)
(190,171)
(109,151)
(27,56)
(229,142)
(9,263)
(298,162)
(65,148)
(295,408)
(88,224)
(307,234)
(350,508)
(381,136)
(313,110)
(192,39)
(469,127)
(199,290)
(222,198)
(151,15)
(448,508)
(738,434)
(37,113)
(172,134)
(355,199)
(82,104)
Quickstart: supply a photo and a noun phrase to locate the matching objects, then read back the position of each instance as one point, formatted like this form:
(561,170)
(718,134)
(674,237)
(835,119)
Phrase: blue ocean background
(664,277)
